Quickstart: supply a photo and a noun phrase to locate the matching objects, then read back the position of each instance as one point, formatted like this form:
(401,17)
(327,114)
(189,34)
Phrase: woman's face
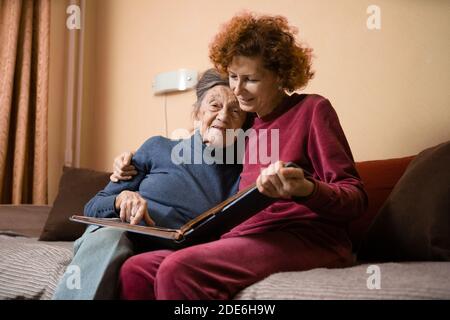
(219,111)
(256,88)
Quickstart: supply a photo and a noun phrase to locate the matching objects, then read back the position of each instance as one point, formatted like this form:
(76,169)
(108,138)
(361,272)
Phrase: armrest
(24,219)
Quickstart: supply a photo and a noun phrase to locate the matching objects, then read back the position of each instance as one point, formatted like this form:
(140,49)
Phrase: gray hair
(209,79)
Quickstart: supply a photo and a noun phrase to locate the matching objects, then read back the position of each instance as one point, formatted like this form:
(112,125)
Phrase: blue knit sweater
(175,193)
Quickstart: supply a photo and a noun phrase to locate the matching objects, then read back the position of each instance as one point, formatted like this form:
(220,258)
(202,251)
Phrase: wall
(389,87)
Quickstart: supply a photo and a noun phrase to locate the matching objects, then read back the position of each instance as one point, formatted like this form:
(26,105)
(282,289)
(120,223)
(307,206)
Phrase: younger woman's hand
(276,181)
(123,169)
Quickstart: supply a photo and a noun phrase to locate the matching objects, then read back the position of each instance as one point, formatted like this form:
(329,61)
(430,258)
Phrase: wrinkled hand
(276,181)
(123,169)
(133,208)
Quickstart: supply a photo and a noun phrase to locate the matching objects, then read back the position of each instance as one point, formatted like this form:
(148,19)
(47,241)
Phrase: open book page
(204,216)
(167,233)
(212,223)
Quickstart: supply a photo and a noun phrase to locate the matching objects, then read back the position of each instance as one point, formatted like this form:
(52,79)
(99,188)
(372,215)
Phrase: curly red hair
(270,37)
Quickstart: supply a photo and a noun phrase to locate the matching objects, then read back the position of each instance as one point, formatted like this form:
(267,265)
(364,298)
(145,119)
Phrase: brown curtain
(24,69)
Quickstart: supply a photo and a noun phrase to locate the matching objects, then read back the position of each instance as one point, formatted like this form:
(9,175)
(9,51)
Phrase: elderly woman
(307,227)
(153,196)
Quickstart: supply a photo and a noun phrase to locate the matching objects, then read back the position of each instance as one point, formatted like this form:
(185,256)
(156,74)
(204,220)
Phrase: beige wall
(389,87)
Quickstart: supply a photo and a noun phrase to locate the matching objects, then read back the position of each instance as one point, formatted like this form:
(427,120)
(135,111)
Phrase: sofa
(401,243)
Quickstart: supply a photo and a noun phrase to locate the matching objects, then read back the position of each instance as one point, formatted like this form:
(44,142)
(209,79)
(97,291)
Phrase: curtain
(74,85)
(24,71)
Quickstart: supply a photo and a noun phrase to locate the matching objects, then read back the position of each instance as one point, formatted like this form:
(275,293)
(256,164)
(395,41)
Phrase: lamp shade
(173,81)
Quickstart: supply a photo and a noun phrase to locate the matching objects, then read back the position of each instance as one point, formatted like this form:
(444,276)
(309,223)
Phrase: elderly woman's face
(256,88)
(218,112)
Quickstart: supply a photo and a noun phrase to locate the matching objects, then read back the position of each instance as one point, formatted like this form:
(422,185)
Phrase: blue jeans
(94,271)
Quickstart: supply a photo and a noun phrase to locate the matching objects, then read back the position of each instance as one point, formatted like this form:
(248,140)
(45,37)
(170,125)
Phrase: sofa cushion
(77,186)
(414,223)
(379,178)
(408,280)
(31,269)
(23,219)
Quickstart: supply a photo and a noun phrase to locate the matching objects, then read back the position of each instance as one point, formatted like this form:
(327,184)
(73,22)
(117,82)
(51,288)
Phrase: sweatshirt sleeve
(102,205)
(339,192)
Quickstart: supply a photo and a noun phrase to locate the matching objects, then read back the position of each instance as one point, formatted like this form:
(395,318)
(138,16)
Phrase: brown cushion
(23,219)
(414,223)
(379,177)
(76,187)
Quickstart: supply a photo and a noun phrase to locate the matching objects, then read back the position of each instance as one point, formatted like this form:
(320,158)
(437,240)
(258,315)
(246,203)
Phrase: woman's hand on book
(133,208)
(277,181)
(123,169)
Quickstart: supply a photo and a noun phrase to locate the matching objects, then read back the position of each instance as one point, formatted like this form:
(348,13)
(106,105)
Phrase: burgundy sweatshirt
(311,136)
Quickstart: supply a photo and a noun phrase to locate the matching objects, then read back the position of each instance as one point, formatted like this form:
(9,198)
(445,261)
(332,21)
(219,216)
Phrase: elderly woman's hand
(123,169)
(276,181)
(133,208)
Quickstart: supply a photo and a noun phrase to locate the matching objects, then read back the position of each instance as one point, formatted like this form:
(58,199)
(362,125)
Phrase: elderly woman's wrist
(118,201)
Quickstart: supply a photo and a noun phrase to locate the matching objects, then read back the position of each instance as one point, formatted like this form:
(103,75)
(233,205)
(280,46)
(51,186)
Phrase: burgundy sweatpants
(222,268)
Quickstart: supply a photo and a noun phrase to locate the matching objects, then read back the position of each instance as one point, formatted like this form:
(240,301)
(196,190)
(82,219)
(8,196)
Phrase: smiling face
(256,88)
(219,111)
